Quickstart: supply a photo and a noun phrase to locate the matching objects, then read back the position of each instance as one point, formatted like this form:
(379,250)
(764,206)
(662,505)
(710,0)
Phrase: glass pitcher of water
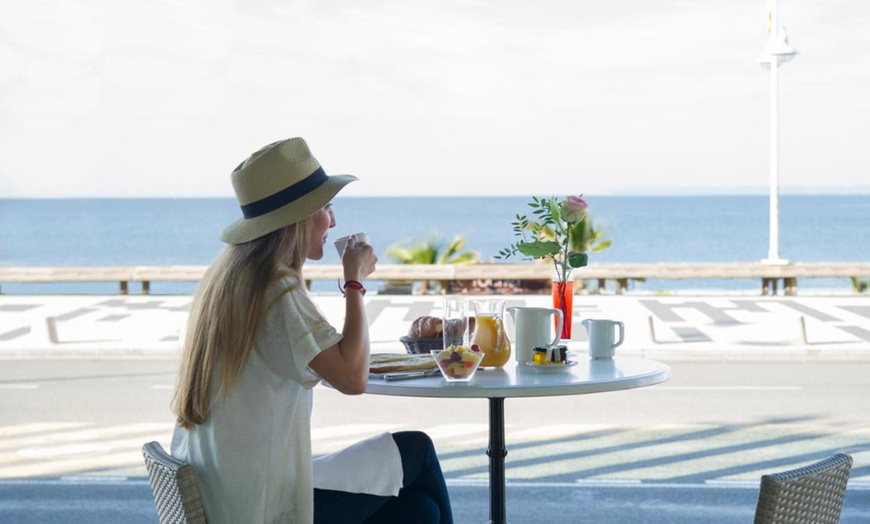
(489,332)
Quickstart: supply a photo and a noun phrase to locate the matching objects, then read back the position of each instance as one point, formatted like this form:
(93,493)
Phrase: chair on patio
(812,493)
(173,484)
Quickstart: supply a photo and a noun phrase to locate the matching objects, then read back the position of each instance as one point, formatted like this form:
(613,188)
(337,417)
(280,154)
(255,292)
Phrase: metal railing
(620,273)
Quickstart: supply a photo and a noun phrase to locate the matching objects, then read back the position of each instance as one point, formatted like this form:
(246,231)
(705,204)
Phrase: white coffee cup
(602,337)
(341,243)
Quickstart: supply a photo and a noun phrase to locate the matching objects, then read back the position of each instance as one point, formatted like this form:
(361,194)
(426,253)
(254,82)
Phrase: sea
(642,229)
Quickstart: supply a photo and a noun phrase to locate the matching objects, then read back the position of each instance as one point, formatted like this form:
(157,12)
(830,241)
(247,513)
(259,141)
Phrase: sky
(158,98)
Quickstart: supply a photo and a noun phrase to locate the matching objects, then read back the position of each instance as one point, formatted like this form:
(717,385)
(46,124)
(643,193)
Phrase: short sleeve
(294,333)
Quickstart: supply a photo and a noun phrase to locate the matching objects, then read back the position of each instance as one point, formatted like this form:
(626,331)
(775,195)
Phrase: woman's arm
(346,365)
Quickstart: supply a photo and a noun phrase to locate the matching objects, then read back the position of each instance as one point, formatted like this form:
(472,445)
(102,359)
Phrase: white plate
(550,368)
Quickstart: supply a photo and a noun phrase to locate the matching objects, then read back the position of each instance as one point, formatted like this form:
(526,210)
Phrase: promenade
(709,327)
(759,384)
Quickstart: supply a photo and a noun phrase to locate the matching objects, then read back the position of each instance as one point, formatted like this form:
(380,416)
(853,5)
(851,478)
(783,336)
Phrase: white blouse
(252,456)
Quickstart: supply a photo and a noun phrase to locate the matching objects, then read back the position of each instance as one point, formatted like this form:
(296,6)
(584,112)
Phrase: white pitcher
(533,327)
(602,339)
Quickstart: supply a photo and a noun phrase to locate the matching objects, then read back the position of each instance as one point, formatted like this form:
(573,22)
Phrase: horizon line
(647,192)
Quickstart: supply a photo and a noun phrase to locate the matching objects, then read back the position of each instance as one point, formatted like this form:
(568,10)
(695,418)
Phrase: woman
(255,347)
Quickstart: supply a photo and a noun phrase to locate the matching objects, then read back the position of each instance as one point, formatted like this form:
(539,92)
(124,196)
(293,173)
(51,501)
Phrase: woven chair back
(173,484)
(813,493)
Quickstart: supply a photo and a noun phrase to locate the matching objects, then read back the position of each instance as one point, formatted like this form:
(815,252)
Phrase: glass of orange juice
(489,333)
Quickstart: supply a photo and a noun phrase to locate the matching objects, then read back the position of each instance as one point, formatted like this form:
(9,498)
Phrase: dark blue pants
(423,498)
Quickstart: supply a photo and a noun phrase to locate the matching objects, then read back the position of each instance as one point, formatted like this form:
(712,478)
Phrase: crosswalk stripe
(59,467)
(481,483)
(547,455)
(36,427)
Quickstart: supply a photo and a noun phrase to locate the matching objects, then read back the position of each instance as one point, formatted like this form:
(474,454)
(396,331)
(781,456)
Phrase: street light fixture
(776,52)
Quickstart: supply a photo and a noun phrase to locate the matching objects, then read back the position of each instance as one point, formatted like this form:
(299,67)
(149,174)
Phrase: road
(693,447)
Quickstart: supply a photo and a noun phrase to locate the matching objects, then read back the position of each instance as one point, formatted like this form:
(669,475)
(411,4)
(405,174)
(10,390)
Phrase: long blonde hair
(228,311)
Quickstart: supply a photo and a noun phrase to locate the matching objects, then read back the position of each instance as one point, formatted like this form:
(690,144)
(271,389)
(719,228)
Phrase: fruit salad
(458,363)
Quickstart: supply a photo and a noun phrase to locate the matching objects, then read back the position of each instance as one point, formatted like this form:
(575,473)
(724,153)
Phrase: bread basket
(421,345)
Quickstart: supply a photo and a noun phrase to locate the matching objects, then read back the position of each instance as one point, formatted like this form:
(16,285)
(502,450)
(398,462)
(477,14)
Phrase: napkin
(372,466)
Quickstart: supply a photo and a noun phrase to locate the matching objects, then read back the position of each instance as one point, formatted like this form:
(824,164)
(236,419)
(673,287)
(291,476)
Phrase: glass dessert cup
(457,363)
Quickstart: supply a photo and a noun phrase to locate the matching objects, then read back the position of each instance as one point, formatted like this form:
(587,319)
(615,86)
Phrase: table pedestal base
(496,452)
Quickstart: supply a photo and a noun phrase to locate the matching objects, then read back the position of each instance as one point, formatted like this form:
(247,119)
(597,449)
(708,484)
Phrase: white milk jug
(533,327)
(602,336)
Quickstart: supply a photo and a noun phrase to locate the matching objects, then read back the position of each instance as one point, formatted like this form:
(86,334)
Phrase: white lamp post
(776,51)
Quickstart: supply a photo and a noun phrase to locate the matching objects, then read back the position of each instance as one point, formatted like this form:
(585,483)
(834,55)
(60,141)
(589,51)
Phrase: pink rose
(573,209)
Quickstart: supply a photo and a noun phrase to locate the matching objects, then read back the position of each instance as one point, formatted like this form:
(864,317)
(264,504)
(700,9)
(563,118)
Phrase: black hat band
(286,195)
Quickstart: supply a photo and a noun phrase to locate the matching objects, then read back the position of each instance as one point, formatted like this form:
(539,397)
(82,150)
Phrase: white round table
(588,376)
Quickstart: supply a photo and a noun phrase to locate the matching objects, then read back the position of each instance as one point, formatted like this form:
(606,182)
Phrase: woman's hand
(358,260)
(346,365)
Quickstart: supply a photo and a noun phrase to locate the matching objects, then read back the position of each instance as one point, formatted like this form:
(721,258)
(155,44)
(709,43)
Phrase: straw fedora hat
(278,185)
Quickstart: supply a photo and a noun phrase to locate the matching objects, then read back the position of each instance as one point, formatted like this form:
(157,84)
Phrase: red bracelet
(353,284)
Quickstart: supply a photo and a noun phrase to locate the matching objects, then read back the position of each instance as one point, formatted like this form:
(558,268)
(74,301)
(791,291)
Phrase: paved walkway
(550,452)
(727,327)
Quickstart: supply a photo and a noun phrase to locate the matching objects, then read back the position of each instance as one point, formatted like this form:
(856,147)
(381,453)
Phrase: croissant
(432,327)
(425,327)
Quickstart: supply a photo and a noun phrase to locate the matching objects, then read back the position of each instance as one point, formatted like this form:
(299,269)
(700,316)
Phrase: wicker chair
(174,487)
(813,493)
